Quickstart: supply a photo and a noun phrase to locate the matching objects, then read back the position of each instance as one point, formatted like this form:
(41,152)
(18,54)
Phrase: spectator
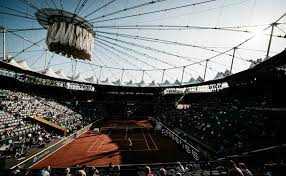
(116,170)
(45,172)
(110,169)
(245,170)
(80,173)
(16,171)
(234,170)
(163,172)
(67,172)
(148,171)
(180,167)
(94,171)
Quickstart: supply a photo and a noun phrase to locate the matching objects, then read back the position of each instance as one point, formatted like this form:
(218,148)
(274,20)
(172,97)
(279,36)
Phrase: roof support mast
(122,73)
(142,78)
(233,56)
(270,39)
(99,77)
(163,74)
(3,30)
(206,69)
(182,78)
(46,58)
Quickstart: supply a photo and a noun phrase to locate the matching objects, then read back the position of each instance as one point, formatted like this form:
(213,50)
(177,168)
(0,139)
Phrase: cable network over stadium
(140,43)
(142,87)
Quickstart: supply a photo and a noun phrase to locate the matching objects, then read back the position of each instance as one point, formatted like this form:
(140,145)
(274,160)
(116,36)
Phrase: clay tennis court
(111,145)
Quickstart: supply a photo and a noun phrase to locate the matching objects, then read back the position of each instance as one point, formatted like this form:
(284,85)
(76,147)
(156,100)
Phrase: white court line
(154,143)
(134,140)
(93,144)
(42,151)
(65,139)
(100,144)
(145,140)
(143,150)
(45,157)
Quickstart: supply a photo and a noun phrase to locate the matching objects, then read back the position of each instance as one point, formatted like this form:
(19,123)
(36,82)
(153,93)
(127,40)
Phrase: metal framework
(135,50)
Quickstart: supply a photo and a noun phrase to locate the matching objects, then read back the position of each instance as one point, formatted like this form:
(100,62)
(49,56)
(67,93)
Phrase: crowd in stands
(18,142)
(18,136)
(19,133)
(24,104)
(227,125)
(201,168)
(230,168)
(210,120)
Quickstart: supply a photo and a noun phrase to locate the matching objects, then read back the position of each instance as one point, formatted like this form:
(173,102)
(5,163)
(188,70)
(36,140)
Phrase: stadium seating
(19,133)
(24,105)
(211,121)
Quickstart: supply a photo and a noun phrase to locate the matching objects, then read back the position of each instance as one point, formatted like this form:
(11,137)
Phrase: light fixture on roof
(67,33)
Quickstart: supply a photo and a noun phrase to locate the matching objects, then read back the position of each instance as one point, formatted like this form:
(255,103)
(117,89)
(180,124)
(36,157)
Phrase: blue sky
(214,14)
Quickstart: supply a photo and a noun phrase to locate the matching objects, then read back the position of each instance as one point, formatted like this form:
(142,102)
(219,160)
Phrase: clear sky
(218,13)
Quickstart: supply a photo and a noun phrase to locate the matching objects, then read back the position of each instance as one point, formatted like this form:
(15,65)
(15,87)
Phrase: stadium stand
(211,119)
(28,105)
(30,123)
(237,130)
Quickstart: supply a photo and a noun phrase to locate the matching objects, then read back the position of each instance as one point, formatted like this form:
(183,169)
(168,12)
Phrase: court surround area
(112,145)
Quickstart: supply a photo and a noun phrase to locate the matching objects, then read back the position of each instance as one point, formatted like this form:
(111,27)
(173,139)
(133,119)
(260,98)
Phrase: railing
(215,167)
(189,148)
(29,162)
(41,120)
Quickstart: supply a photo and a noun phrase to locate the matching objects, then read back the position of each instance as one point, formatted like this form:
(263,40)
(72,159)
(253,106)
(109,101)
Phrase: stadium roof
(149,43)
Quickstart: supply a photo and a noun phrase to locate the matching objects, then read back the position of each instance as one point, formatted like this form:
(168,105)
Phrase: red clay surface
(111,146)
